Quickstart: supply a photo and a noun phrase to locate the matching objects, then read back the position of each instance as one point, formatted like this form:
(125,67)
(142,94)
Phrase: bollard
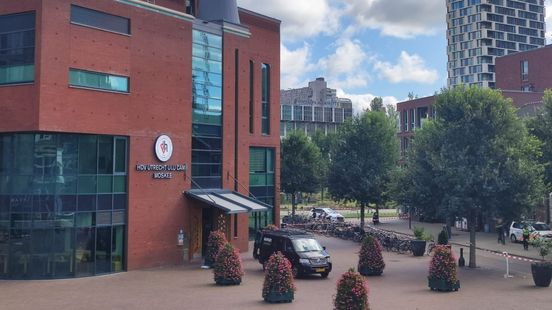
(461,260)
(507,275)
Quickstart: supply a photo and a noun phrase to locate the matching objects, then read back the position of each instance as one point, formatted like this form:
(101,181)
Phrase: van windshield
(306,245)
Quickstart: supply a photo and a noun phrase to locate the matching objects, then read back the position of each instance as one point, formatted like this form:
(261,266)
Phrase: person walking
(500,232)
(526,238)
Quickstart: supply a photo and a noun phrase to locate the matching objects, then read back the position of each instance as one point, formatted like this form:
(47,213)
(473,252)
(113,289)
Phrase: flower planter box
(443,285)
(418,247)
(367,271)
(224,281)
(276,297)
(542,274)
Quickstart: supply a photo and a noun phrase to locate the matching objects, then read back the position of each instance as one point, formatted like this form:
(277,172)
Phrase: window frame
(98,88)
(96,27)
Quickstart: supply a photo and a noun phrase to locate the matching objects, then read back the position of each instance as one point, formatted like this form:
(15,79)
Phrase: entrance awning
(228,201)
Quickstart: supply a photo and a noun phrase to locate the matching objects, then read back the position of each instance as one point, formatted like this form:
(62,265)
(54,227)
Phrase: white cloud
(294,66)
(361,102)
(410,68)
(399,18)
(345,67)
(300,19)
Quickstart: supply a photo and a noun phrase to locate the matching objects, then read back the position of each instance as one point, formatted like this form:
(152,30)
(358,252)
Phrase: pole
(507,275)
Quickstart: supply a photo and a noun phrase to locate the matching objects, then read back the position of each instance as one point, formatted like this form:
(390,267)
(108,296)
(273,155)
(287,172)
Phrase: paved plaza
(402,286)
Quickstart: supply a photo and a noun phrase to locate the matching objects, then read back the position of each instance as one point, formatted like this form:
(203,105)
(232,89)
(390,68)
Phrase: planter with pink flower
(442,270)
(228,267)
(352,292)
(215,243)
(370,260)
(278,284)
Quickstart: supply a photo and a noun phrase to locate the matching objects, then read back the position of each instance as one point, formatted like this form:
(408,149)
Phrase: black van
(304,252)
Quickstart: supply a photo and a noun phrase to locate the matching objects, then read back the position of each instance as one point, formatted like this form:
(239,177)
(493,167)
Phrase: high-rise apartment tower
(480,30)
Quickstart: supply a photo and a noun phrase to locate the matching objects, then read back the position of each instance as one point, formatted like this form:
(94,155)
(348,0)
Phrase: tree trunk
(293,202)
(472,224)
(362,216)
(409,217)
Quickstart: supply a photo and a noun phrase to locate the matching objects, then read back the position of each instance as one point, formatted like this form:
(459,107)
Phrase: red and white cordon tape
(504,254)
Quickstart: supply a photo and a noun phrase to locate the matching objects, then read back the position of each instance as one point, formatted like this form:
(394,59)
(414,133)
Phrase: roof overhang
(228,201)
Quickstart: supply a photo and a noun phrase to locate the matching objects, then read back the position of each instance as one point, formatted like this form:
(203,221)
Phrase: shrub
(421,234)
(370,254)
(278,275)
(215,243)
(443,265)
(352,292)
(228,265)
(442,238)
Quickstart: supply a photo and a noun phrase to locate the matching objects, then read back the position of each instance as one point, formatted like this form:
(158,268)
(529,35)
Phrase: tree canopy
(475,158)
(377,104)
(541,127)
(365,152)
(301,165)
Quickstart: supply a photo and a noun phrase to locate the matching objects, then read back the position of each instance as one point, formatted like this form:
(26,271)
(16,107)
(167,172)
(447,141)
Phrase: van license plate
(320,269)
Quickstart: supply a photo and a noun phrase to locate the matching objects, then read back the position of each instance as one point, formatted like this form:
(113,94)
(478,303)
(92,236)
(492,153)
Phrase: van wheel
(324,275)
(295,272)
(513,238)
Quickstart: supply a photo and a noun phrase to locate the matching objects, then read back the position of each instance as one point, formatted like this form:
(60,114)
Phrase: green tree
(377,104)
(300,166)
(541,127)
(476,158)
(325,143)
(366,151)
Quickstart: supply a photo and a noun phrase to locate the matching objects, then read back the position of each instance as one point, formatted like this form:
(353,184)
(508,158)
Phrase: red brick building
(124,123)
(525,71)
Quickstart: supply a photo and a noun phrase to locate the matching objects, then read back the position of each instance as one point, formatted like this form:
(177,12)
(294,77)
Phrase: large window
(17,48)
(96,19)
(98,80)
(63,202)
(207,110)
(265,94)
(261,185)
(524,70)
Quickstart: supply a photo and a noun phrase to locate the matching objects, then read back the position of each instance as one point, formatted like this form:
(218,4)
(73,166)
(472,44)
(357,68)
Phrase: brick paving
(402,286)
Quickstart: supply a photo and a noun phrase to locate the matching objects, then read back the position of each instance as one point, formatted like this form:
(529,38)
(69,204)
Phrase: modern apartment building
(313,108)
(130,129)
(478,31)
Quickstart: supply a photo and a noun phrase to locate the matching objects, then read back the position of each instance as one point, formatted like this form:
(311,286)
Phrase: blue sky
(364,48)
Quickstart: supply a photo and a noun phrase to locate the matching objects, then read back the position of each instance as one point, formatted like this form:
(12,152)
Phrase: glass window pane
(117,248)
(105,202)
(62,264)
(86,219)
(98,80)
(105,183)
(119,184)
(84,251)
(119,202)
(86,202)
(118,217)
(103,218)
(105,155)
(68,202)
(120,155)
(88,154)
(99,19)
(103,250)
(87,184)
